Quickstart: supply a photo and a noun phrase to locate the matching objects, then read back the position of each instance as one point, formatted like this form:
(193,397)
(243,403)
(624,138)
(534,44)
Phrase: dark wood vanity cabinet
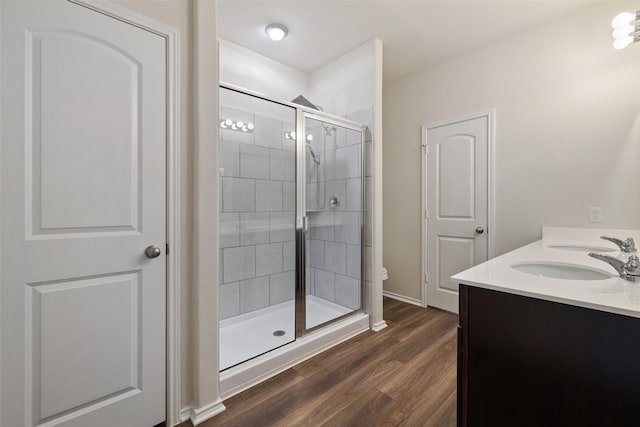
(528,362)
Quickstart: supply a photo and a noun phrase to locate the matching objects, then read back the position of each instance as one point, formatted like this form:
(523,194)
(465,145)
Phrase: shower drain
(278,333)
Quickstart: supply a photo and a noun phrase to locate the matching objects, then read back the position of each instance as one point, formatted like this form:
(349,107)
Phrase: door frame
(302,115)
(172,40)
(491,208)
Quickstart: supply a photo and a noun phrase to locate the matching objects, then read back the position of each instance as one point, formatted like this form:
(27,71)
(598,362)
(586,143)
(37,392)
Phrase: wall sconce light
(239,126)
(626,29)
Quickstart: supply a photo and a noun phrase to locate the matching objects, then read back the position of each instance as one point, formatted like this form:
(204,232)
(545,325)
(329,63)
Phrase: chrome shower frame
(301,224)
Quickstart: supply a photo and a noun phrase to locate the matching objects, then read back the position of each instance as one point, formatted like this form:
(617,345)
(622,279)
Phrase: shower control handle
(334,201)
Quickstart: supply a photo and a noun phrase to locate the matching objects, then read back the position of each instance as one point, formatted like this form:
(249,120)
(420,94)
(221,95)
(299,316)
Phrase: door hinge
(426,213)
(426,148)
(166,251)
(426,278)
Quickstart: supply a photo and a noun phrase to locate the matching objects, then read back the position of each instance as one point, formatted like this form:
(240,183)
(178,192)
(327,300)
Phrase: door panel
(456,177)
(454,255)
(82,176)
(109,308)
(63,73)
(457,202)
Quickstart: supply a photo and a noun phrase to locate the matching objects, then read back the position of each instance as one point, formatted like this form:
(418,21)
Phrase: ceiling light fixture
(276,32)
(626,29)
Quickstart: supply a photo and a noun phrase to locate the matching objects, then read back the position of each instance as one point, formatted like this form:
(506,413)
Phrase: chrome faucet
(627,270)
(627,245)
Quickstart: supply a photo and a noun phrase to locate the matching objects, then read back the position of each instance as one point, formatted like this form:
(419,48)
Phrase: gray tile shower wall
(334,239)
(257,218)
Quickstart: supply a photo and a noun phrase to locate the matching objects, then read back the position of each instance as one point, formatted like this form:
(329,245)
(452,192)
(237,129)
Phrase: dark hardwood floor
(404,375)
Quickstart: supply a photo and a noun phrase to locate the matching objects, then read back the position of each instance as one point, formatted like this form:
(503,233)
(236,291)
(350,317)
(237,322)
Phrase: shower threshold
(252,334)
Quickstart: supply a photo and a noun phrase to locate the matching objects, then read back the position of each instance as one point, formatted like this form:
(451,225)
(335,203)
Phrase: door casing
(172,40)
(491,234)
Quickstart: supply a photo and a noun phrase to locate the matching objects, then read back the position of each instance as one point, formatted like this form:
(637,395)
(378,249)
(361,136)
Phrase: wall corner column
(206,377)
(376,314)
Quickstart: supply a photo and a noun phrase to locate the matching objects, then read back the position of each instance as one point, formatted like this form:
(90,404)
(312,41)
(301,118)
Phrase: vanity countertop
(613,294)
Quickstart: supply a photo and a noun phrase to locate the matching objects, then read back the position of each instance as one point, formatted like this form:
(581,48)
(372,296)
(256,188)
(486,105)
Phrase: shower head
(301,100)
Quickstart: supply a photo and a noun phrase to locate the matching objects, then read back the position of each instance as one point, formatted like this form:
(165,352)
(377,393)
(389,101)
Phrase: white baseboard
(402,298)
(198,416)
(377,327)
(185,413)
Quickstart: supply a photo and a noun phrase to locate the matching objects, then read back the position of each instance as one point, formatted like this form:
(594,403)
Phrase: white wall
(567,133)
(346,84)
(250,70)
(340,87)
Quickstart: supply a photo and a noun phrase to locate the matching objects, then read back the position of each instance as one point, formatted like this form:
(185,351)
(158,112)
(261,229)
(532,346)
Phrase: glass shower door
(290,223)
(257,158)
(333,188)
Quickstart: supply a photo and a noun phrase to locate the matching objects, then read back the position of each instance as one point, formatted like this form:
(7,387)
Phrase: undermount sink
(583,248)
(560,271)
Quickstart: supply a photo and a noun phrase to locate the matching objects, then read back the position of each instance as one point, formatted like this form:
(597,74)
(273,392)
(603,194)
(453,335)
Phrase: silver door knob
(479,230)
(152,251)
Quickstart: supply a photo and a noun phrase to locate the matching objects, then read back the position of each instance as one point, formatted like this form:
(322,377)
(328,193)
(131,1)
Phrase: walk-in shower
(291,222)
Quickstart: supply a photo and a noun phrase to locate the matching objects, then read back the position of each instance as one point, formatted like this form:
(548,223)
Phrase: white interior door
(82,184)
(457,205)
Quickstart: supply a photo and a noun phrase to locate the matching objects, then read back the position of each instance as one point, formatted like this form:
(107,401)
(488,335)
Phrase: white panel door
(457,205)
(82,184)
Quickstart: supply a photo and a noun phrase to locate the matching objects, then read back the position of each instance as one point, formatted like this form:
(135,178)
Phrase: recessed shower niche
(292,214)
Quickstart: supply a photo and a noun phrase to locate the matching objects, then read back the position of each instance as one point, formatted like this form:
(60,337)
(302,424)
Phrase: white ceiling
(415,34)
